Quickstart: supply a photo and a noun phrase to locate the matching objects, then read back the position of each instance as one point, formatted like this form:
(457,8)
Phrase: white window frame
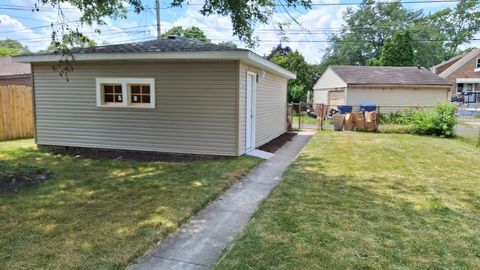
(477,65)
(126,93)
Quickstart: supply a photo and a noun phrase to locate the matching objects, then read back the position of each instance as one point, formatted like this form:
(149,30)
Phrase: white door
(250,113)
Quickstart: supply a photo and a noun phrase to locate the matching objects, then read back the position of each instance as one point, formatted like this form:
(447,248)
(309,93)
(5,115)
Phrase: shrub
(439,122)
(397,118)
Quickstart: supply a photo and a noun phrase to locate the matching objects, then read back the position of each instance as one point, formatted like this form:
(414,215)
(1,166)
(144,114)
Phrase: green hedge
(439,122)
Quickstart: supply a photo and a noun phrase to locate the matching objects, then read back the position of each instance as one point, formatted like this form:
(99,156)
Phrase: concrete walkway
(199,243)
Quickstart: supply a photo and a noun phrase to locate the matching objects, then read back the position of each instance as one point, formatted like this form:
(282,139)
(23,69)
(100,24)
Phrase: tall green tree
(12,47)
(190,32)
(435,37)
(294,62)
(397,51)
(366,29)
(457,26)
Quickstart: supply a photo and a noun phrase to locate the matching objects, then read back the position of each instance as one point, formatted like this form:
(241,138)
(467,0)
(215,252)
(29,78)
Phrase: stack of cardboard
(359,121)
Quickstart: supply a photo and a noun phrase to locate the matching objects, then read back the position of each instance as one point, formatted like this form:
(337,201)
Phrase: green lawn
(305,120)
(101,214)
(369,201)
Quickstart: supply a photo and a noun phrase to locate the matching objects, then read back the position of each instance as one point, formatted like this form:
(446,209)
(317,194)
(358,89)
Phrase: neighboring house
(174,95)
(12,73)
(384,86)
(463,71)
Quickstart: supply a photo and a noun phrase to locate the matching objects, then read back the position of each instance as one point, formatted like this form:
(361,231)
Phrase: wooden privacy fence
(16,112)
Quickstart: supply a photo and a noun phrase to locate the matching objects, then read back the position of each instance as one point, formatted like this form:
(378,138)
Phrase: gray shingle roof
(366,75)
(170,44)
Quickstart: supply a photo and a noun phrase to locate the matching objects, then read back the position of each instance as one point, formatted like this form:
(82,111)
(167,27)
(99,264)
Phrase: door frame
(250,111)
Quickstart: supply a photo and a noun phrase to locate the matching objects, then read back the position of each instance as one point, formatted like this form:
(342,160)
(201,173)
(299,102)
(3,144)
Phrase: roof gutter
(246,56)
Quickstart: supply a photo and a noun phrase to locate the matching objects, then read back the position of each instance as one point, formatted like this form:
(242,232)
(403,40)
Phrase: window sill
(477,70)
(126,107)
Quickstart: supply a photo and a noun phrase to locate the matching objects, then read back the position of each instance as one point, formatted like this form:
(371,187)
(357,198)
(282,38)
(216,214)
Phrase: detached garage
(172,95)
(384,86)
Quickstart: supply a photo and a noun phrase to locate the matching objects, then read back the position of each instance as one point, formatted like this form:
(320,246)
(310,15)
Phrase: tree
(294,62)
(435,37)
(228,44)
(397,51)
(366,29)
(279,50)
(12,47)
(457,26)
(72,40)
(191,32)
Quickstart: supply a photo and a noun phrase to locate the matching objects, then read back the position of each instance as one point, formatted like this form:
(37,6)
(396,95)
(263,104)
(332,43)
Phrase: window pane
(136,99)
(108,98)
(135,89)
(118,89)
(146,89)
(118,98)
(108,88)
(478,63)
(145,99)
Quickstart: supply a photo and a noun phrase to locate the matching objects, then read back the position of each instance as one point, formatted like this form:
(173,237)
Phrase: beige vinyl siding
(194,111)
(242,108)
(396,96)
(329,81)
(271,106)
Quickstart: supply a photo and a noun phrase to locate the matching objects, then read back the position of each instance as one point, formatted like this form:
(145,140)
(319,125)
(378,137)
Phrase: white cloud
(218,28)
(14,29)
(117,31)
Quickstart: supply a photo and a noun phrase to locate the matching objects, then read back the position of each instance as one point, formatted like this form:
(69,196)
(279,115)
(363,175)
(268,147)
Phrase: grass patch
(305,120)
(101,214)
(369,201)
(393,128)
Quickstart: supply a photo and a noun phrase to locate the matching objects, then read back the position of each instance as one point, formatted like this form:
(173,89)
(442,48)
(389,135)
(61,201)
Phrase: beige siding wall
(320,96)
(329,81)
(396,96)
(194,111)
(271,107)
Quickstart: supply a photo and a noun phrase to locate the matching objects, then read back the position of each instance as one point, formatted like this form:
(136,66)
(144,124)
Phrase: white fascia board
(257,60)
(467,80)
(246,56)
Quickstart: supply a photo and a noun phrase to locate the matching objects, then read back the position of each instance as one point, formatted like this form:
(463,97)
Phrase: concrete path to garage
(199,243)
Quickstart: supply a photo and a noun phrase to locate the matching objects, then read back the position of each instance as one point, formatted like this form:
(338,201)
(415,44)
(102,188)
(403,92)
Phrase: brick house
(463,71)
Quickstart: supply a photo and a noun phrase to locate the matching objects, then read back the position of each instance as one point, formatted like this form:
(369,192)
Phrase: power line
(359,3)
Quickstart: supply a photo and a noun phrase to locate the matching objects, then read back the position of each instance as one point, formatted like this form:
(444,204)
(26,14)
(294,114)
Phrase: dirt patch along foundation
(278,142)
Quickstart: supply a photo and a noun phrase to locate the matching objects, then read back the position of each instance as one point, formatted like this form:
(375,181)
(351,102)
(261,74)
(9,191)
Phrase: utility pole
(157,5)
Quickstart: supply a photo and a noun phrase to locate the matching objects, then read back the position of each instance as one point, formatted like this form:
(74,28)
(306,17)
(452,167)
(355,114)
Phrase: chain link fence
(391,119)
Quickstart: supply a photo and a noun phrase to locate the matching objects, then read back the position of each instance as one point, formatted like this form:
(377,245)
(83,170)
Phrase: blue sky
(18,22)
